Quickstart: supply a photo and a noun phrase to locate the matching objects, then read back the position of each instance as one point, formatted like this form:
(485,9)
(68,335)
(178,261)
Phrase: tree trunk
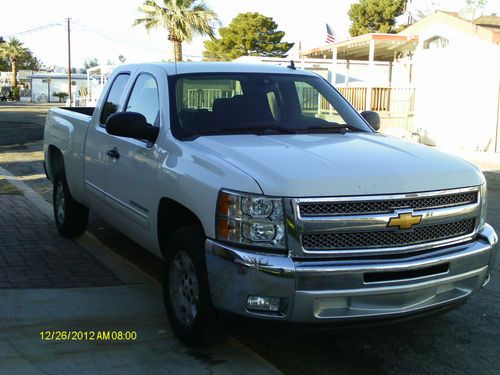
(177,50)
(14,73)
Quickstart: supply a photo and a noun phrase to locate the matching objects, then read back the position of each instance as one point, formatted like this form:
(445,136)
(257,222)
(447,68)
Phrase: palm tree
(13,50)
(183,19)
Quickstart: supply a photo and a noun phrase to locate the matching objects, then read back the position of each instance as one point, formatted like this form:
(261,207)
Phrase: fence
(388,100)
(385,100)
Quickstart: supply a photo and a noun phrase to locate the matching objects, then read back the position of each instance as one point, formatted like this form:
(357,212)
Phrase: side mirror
(372,118)
(131,125)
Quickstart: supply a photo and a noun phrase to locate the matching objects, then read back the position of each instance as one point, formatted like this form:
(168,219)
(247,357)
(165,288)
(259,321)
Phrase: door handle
(113,153)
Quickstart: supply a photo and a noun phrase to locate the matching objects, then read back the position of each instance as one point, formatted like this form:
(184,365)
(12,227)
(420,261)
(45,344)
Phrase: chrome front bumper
(316,291)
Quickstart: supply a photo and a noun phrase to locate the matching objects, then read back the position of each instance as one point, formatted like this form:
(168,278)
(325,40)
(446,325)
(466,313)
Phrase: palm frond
(183,19)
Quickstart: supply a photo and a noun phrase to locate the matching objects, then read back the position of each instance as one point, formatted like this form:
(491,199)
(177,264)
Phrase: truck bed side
(66,130)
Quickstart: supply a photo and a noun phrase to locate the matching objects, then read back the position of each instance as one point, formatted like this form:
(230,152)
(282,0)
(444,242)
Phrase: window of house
(436,42)
(114,95)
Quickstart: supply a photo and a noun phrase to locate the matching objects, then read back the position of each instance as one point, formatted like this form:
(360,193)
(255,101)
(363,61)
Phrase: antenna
(292,65)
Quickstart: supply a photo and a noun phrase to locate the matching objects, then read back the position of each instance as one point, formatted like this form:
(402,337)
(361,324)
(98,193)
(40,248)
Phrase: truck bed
(66,129)
(89,111)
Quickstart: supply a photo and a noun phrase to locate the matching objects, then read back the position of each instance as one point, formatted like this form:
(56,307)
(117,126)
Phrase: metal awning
(385,47)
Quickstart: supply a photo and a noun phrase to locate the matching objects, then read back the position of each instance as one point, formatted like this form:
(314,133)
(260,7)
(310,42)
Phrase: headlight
(484,203)
(250,219)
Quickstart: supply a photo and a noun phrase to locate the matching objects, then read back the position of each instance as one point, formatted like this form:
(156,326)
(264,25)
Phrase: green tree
(89,63)
(29,62)
(248,34)
(13,50)
(372,16)
(183,19)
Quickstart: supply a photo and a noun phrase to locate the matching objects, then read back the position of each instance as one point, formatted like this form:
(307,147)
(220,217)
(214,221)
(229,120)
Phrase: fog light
(263,303)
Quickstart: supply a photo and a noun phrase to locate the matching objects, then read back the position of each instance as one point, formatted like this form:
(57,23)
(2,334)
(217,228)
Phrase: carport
(375,47)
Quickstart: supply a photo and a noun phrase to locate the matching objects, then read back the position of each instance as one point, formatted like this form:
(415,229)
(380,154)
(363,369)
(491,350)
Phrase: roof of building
(489,22)
(357,48)
(486,28)
(58,76)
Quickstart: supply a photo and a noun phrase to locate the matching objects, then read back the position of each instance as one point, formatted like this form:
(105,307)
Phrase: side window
(114,95)
(144,99)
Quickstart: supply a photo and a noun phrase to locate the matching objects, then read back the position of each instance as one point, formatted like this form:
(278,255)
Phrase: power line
(39,28)
(114,37)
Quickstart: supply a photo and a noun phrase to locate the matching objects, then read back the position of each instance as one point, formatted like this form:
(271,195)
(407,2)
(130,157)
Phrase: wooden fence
(388,100)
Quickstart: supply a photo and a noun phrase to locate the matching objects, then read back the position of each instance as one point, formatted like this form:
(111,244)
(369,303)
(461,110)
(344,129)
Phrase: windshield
(256,103)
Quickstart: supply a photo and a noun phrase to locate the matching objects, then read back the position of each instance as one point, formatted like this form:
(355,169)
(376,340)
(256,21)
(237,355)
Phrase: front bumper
(325,291)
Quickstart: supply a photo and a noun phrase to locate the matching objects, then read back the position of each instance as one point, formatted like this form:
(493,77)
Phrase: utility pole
(69,61)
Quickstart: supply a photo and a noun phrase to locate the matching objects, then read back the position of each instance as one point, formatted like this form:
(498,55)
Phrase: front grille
(363,240)
(385,206)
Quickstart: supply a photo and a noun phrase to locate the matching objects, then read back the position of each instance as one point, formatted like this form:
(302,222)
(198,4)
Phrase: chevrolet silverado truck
(268,196)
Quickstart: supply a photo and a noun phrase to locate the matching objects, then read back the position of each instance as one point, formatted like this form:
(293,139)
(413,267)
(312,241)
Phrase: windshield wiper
(259,130)
(342,129)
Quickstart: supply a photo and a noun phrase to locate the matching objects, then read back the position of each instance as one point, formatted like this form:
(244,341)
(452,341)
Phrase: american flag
(330,35)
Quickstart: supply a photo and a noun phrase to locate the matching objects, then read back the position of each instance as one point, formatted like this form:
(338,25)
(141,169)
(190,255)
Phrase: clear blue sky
(103,28)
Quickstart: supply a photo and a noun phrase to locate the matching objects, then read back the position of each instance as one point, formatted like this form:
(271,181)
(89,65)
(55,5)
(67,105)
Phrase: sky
(103,28)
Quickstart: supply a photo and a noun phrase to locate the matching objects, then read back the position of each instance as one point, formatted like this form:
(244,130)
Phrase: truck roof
(218,67)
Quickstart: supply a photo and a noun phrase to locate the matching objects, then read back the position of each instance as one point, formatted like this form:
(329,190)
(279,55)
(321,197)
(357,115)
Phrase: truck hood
(305,165)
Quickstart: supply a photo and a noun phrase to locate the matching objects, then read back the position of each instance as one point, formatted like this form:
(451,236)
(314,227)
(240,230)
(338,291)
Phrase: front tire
(71,217)
(189,308)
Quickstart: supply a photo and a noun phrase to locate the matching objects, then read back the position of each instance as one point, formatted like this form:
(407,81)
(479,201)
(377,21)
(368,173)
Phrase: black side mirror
(131,125)
(372,118)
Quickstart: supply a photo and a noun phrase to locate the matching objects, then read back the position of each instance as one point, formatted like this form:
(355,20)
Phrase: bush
(60,95)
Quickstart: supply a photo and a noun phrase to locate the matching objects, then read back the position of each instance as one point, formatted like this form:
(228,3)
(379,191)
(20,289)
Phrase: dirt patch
(6,188)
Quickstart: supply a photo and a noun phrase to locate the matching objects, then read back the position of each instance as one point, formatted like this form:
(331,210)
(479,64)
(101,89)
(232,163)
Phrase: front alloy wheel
(183,288)
(192,316)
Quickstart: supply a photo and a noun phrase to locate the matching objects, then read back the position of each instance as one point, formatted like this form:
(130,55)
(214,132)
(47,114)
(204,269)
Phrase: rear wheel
(186,292)
(71,217)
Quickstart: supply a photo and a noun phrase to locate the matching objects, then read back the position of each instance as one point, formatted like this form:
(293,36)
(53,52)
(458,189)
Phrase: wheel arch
(55,161)
(173,215)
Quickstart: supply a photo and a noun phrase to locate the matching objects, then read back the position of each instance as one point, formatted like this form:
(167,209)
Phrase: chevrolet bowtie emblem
(404,221)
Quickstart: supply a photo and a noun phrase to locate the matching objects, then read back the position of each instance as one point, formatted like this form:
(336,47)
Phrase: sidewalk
(33,255)
(48,283)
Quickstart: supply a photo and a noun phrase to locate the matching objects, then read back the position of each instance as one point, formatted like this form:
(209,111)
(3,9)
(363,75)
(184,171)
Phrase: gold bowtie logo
(404,221)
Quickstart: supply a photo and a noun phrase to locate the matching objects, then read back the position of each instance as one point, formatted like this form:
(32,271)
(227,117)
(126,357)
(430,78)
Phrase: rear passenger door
(96,161)
(133,173)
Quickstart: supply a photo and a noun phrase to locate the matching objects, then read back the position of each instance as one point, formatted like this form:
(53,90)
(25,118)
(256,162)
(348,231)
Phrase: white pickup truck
(268,196)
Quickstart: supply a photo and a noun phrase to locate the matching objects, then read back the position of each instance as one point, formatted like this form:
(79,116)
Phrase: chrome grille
(338,208)
(363,240)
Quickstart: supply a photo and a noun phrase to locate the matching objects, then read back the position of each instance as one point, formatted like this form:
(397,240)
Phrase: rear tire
(186,292)
(71,217)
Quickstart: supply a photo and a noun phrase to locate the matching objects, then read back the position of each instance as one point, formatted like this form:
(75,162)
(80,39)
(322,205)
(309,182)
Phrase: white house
(44,85)
(456,73)
(444,79)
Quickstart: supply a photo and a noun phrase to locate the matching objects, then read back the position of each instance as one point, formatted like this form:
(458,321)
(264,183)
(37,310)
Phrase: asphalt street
(464,341)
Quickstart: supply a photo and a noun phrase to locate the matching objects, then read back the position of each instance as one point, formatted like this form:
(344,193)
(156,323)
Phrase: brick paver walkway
(33,255)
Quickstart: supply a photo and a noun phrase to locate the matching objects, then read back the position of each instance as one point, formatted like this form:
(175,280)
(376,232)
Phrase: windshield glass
(255,103)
